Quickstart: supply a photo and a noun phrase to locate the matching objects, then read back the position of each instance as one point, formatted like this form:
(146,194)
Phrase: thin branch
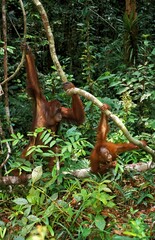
(23,53)
(24,19)
(8,155)
(7,146)
(99,16)
(50,37)
(12,76)
(103,19)
(117,121)
(5,64)
(17,69)
(1,91)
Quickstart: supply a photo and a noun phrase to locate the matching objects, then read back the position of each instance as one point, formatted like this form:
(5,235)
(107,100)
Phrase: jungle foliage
(90,38)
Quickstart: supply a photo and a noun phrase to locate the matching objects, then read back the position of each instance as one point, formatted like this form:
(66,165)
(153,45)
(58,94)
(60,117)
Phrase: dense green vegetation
(90,37)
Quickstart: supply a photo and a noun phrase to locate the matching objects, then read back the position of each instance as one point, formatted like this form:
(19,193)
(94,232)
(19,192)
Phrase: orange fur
(104,154)
(48,114)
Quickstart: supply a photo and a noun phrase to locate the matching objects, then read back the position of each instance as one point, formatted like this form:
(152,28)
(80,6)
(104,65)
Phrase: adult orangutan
(48,114)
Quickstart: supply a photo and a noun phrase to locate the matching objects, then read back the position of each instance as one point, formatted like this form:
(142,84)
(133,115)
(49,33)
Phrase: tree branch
(116,120)
(17,69)
(138,167)
(79,173)
(50,37)
(23,52)
(15,180)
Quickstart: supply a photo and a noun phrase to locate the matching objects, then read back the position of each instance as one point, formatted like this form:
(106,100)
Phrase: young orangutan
(104,154)
(48,114)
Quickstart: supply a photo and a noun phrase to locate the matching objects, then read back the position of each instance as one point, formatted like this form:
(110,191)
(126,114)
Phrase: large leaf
(36,174)
(100,222)
(20,201)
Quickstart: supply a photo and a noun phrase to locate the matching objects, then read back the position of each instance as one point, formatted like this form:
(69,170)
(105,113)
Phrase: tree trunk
(130,33)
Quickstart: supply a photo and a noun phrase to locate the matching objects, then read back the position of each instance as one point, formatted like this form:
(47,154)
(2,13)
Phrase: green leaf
(10,49)
(25,230)
(122,90)
(114,84)
(69,147)
(130,233)
(48,154)
(103,77)
(20,201)
(2,224)
(117,237)
(145,96)
(1,51)
(7,140)
(54,196)
(103,187)
(50,229)
(103,199)
(36,174)
(13,136)
(49,211)
(43,133)
(74,145)
(48,140)
(31,150)
(27,211)
(85,232)
(71,139)
(15,142)
(64,149)
(47,135)
(71,131)
(62,203)
(136,73)
(106,189)
(153,52)
(150,196)
(27,169)
(33,196)
(111,204)
(38,149)
(52,143)
(100,222)
(33,218)
(19,238)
